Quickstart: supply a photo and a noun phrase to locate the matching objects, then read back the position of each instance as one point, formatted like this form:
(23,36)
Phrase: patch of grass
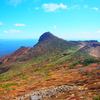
(50,67)
(39,80)
(73,65)
(8,85)
(47,74)
(8,88)
(96,98)
(36,69)
(44,66)
(64,58)
(16,69)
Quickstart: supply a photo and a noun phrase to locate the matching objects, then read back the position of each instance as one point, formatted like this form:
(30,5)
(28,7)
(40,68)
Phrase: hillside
(48,49)
(54,69)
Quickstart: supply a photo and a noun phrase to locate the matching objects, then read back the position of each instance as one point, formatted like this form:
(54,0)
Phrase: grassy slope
(46,64)
(29,75)
(44,52)
(35,74)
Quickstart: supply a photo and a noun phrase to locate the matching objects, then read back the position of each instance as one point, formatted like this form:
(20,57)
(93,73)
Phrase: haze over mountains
(51,60)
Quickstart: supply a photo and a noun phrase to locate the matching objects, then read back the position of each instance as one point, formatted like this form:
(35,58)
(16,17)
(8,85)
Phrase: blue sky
(68,19)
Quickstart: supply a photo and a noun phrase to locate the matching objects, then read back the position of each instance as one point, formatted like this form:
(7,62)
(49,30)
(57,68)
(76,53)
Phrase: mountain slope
(52,62)
(92,48)
(51,49)
(47,46)
(51,45)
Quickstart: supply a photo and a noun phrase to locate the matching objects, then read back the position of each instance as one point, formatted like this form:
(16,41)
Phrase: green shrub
(36,69)
(96,98)
(73,65)
(47,74)
(87,61)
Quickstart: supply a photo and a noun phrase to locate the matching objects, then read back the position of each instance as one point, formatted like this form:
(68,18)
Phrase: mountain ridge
(52,62)
(51,43)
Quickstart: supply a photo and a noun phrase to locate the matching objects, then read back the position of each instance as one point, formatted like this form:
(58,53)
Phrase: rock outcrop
(39,95)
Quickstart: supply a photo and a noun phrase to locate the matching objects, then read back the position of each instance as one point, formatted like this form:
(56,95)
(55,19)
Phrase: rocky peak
(45,36)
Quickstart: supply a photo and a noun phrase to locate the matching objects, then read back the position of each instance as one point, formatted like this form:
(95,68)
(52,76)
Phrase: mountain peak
(45,36)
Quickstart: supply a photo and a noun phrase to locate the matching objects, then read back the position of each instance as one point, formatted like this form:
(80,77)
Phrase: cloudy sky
(68,19)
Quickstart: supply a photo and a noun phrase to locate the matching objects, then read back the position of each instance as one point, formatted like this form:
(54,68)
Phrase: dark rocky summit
(45,36)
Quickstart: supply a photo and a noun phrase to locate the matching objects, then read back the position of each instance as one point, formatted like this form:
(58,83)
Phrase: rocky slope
(46,93)
(95,50)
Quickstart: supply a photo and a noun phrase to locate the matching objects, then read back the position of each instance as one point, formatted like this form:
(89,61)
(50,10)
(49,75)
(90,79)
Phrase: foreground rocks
(45,93)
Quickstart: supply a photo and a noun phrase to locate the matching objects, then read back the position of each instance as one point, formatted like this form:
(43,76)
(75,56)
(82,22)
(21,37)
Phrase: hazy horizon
(38,39)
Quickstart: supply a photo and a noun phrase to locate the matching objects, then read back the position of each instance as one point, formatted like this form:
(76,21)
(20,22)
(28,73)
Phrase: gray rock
(36,97)
(45,93)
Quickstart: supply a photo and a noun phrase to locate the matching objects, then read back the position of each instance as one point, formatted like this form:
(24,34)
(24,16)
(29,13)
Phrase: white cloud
(14,2)
(36,8)
(1,23)
(95,8)
(19,24)
(86,32)
(55,26)
(98,32)
(12,31)
(85,6)
(76,6)
(51,7)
